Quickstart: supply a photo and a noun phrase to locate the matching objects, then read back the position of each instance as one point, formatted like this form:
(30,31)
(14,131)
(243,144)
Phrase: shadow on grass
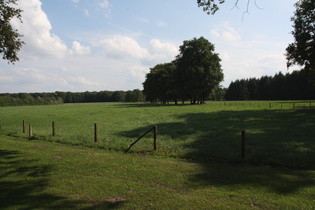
(274,137)
(279,138)
(24,182)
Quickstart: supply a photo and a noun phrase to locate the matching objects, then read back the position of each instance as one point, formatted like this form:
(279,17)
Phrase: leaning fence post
(30,131)
(155,137)
(95,132)
(53,128)
(243,145)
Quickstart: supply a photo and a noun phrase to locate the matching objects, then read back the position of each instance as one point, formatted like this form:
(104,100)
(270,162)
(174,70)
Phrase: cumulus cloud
(226,32)
(80,49)
(160,52)
(138,72)
(36,29)
(122,47)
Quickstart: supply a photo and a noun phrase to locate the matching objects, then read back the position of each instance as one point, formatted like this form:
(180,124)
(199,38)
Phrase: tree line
(298,85)
(19,99)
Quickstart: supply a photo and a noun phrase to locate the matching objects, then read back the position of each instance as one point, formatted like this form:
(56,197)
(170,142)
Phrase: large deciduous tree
(198,69)
(10,42)
(302,50)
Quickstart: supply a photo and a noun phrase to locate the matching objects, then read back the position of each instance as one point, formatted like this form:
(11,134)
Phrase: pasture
(277,133)
(197,165)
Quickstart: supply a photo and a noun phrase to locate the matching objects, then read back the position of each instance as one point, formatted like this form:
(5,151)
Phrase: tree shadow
(24,182)
(281,139)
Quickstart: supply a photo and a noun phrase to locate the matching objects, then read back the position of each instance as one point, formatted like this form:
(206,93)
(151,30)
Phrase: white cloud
(36,29)
(226,32)
(138,72)
(160,23)
(86,12)
(79,49)
(6,79)
(75,1)
(166,48)
(122,47)
(82,81)
(160,52)
(105,5)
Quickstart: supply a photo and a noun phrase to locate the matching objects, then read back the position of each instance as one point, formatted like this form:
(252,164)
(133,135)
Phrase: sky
(95,45)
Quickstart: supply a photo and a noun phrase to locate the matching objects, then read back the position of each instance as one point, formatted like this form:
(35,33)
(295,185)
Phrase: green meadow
(197,165)
(276,134)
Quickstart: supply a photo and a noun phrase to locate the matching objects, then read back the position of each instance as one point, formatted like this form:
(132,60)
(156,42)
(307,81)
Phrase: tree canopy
(210,6)
(198,69)
(193,75)
(291,86)
(302,50)
(10,42)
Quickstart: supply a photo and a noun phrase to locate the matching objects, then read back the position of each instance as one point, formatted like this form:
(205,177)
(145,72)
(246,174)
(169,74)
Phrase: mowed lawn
(37,174)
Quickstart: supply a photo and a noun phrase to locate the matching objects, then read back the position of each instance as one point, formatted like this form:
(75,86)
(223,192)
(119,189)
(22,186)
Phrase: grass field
(45,175)
(197,165)
(210,133)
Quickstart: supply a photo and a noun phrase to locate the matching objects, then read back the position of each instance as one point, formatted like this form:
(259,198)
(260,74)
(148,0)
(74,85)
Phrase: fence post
(155,137)
(53,128)
(95,132)
(243,144)
(24,126)
(30,132)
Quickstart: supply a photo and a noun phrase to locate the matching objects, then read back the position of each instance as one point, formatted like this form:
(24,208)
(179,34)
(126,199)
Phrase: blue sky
(93,45)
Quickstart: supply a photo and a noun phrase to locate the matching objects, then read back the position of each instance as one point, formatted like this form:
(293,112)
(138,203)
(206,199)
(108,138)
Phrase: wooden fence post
(30,132)
(243,144)
(24,126)
(95,132)
(53,128)
(155,137)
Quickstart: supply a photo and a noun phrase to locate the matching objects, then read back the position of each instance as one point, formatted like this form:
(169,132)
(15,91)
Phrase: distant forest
(298,85)
(18,99)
